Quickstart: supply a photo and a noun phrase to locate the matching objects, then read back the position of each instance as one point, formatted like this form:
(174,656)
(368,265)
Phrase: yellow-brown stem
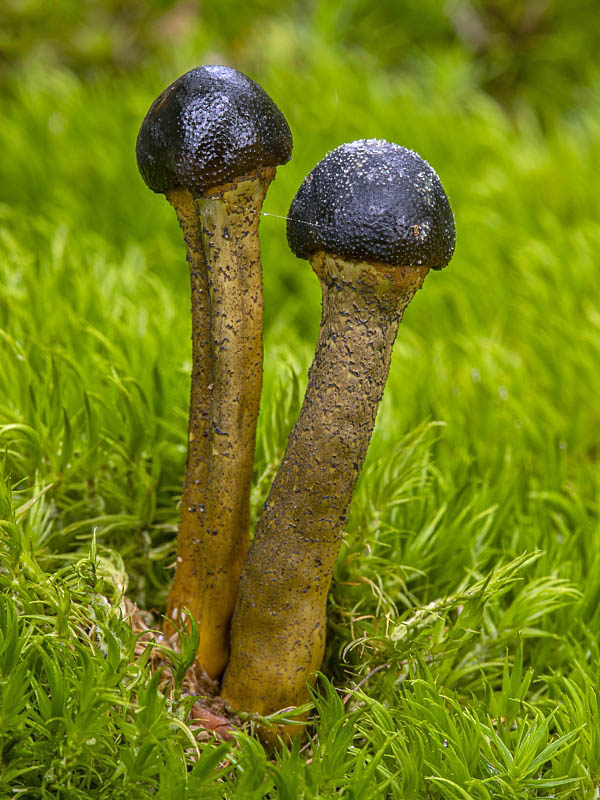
(278,628)
(213,533)
(184,591)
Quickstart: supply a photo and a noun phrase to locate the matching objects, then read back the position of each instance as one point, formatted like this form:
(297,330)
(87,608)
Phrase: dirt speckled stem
(227,315)
(278,629)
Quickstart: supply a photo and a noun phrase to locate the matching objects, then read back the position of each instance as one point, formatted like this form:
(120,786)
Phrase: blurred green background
(487,441)
(536,51)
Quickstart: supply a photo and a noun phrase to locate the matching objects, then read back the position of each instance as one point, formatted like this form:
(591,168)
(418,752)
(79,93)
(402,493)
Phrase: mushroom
(211,143)
(372,218)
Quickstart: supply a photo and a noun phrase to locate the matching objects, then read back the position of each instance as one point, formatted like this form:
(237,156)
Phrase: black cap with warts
(210,127)
(371,200)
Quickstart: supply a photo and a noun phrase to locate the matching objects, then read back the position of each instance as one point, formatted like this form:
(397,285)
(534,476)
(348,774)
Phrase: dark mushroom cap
(374,201)
(211,126)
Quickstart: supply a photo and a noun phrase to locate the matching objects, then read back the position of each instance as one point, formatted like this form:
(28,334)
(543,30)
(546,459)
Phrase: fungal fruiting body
(372,218)
(211,143)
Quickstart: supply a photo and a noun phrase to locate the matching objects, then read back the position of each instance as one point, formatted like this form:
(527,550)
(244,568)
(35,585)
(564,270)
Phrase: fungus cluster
(372,218)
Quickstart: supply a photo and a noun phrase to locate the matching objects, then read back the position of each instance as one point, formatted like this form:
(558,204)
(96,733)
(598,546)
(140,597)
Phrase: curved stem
(213,533)
(278,629)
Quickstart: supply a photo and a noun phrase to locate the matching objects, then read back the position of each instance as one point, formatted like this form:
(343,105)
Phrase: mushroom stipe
(278,630)
(214,528)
